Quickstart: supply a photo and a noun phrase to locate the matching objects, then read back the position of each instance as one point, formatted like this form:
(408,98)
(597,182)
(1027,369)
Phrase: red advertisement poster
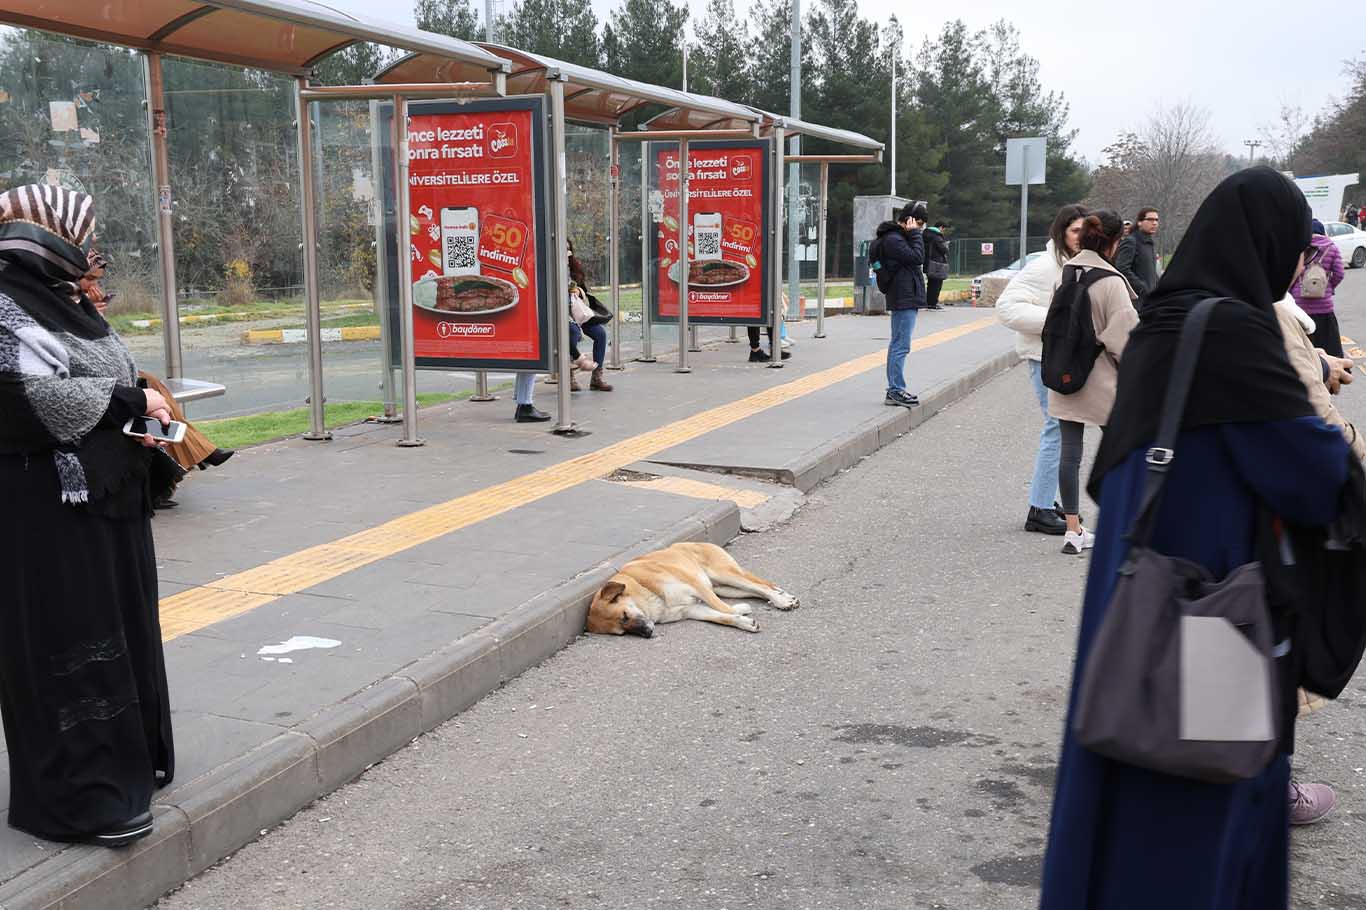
(728,205)
(476,238)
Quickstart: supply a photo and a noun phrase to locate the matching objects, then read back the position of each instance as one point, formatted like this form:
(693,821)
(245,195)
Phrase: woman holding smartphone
(82,677)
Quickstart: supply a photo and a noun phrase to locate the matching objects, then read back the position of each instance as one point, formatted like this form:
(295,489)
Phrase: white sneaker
(786,342)
(1074,544)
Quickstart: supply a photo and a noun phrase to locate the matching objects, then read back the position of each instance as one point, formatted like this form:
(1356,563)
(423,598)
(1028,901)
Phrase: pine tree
(563,29)
(649,36)
(718,58)
(449,17)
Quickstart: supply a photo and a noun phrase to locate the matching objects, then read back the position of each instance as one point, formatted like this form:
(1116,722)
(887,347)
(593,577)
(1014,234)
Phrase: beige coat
(1305,359)
(1114,316)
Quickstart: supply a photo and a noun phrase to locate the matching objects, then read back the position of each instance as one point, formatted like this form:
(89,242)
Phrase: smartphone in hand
(139,427)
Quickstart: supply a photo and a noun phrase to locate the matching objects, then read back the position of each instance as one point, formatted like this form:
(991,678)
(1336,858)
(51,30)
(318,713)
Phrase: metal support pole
(820,250)
(559,257)
(647,237)
(734,337)
(386,330)
(775,347)
(481,387)
(312,302)
(405,276)
(684,258)
(1024,201)
(161,178)
(694,346)
(614,245)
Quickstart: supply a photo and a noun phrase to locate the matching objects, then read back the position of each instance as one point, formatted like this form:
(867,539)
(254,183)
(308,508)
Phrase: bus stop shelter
(287,37)
(292,37)
(583,95)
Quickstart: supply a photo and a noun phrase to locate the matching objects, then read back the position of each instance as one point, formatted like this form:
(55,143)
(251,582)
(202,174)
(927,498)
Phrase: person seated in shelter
(594,328)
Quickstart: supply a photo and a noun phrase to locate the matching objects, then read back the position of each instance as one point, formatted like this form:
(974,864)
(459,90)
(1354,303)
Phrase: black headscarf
(1243,243)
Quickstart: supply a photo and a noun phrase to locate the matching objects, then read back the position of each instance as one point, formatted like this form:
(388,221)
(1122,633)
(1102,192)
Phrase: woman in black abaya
(1123,837)
(82,677)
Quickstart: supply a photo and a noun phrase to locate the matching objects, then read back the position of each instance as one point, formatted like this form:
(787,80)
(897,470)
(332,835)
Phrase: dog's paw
(748,623)
(741,609)
(785,601)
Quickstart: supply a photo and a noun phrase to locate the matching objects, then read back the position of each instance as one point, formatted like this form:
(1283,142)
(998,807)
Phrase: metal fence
(972,256)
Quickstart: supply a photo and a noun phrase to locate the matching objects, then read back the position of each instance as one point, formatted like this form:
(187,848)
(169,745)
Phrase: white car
(1007,272)
(1350,241)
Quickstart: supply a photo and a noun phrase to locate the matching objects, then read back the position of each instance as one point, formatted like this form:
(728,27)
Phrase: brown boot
(599,384)
(574,380)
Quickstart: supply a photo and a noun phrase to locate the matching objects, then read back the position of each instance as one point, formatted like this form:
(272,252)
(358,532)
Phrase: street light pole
(892,191)
(794,183)
(1252,145)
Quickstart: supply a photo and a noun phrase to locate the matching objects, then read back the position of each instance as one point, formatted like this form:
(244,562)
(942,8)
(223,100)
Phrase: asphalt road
(266,377)
(891,744)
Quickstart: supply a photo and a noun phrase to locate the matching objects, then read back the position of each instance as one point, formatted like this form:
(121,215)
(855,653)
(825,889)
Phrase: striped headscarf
(46,229)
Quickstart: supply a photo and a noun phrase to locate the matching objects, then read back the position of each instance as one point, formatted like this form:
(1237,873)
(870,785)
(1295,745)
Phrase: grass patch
(254,429)
(258,309)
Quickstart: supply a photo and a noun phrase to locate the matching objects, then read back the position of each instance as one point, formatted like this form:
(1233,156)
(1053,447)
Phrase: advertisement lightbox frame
(542,204)
(764,149)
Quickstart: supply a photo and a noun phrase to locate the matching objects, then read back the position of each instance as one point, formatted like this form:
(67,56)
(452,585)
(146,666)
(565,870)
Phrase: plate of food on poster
(465,295)
(712,273)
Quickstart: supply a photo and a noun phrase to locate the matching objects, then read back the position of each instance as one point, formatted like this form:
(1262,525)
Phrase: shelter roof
(590,95)
(674,119)
(289,36)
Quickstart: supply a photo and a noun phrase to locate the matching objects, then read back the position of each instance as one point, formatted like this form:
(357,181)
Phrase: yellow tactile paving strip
(697,489)
(234,595)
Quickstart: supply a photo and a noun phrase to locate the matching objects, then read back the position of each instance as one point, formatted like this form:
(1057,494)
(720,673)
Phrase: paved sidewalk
(324,603)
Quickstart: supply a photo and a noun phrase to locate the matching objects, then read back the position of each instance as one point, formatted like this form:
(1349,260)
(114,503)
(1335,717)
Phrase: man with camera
(903,251)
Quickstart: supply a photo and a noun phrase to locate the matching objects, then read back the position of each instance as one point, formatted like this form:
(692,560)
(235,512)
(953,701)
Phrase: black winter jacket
(904,251)
(1137,260)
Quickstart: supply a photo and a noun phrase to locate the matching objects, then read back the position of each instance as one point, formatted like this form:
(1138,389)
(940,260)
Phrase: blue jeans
(903,324)
(595,332)
(1043,490)
(525,387)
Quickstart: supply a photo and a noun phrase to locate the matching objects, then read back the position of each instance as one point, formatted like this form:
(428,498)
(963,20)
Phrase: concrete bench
(187,390)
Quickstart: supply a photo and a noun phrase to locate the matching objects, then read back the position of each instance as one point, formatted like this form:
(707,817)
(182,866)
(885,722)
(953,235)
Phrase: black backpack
(885,271)
(1070,347)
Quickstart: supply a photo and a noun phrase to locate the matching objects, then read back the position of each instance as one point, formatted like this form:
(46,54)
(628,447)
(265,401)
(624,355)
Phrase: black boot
(527,413)
(1045,521)
(216,458)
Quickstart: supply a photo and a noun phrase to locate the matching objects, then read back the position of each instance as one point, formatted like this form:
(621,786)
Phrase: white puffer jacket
(1023,305)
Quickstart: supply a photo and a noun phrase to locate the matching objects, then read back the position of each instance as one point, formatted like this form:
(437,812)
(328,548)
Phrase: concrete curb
(814,467)
(842,452)
(203,821)
(299,336)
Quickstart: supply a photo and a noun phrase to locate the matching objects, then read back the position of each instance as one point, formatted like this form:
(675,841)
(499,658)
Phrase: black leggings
(1069,466)
(754,336)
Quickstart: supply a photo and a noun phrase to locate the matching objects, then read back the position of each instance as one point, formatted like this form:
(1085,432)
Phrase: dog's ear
(612,590)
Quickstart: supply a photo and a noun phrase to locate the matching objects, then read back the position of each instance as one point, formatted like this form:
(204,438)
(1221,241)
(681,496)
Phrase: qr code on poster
(708,244)
(460,251)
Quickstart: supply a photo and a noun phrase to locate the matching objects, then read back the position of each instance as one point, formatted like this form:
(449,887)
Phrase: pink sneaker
(1310,803)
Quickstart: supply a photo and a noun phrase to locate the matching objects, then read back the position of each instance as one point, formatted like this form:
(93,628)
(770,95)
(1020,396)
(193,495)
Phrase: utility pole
(1252,145)
(488,22)
(794,182)
(892,192)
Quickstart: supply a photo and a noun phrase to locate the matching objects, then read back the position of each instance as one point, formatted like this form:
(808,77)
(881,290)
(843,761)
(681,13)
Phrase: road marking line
(697,489)
(236,594)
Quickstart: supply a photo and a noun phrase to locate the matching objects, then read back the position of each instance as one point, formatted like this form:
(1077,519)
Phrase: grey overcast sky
(1115,66)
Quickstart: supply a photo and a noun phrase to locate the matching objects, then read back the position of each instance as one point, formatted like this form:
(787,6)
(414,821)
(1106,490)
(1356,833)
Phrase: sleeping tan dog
(681,582)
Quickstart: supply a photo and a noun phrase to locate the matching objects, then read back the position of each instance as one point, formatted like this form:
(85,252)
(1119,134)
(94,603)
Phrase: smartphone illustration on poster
(460,241)
(706,231)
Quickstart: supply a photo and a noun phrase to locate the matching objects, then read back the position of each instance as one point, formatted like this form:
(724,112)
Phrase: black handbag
(1181,678)
(601,315)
